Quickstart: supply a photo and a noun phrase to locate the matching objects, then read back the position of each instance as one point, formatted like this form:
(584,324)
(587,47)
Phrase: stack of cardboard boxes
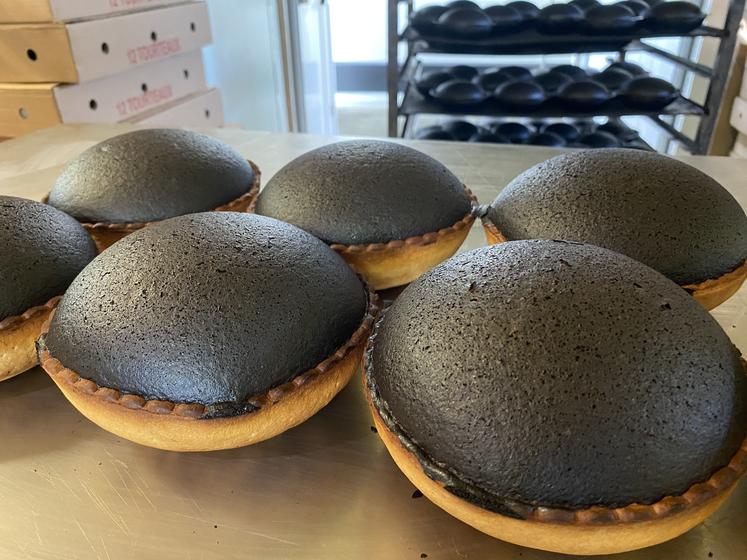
(104,61)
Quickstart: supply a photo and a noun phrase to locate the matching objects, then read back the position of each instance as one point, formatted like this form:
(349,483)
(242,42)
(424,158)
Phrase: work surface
(325,490)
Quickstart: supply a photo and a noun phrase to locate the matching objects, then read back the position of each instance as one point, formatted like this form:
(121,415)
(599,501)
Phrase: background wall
(245,62)
(352,41)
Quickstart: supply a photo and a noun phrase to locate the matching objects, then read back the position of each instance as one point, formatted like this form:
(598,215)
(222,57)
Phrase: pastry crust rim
(416,240)
(114,397)
(697,494)
(246,200)
(723,282)
(13,321)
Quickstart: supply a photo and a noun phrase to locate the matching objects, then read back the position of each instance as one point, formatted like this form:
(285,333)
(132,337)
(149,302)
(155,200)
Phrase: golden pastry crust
(589,531)
(18,335)
(188,426)
(716,291)
(710,293)
(399,262)
(492,233)
(105,234)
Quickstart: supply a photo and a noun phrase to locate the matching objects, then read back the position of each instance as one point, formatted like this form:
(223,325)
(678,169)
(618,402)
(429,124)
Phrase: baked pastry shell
(105,234)
(710,293)
(589,531)
(188,426)
(716,291)
(18,334)
(399,262)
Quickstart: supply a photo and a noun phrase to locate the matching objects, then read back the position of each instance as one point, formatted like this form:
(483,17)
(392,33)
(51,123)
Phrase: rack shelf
(628,140)
(531,41)
(414,103)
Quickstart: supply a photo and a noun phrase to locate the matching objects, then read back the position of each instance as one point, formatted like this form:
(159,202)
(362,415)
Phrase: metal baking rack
(406,103)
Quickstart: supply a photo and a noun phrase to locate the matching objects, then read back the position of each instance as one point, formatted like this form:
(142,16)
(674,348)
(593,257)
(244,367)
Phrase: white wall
(358,30)
(245,63)
(359,27)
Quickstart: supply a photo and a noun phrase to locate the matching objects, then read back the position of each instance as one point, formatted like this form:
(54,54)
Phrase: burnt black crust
(365,191)
(150,175)
(432,469)
(655,209)
(559,375)
(41,251)
(208,308)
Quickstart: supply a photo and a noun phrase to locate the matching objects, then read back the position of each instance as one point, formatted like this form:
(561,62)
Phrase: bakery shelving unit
(405,101)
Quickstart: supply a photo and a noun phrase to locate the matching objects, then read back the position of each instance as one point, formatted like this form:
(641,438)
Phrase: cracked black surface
(557,374)
(653,208)
(41,250)
(208,308)
(150,175)
(365,191)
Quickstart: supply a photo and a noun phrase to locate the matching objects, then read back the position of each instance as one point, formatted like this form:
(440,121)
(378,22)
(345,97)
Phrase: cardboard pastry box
(27,107)
(87,50)
(40,11)
(203,108)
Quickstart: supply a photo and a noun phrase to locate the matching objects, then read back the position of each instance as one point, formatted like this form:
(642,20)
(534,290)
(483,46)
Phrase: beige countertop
(326,489)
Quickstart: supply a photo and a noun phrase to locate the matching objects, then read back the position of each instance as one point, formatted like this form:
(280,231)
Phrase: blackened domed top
(653,208)
(557,374)
(150,175)
(207,308)
(365,191)
(41,250)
